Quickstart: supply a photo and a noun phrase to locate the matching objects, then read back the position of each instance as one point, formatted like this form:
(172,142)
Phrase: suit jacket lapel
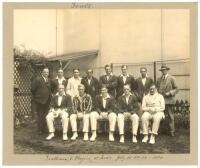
(63,97)
(91,81)
(107,102)
(105,78)
(56,99)
(129,100)
(127,79)
(101,100)
(141,82)
(86,81)
(124,99)
(146,83)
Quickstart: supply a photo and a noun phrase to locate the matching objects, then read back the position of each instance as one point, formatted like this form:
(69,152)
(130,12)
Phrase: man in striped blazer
(81,108)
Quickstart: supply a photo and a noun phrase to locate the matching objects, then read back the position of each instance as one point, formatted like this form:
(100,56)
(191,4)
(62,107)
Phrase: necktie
(163,77)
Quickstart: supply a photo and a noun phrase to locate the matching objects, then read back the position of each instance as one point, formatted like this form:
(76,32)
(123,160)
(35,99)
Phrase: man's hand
(104,114)
(152,110)
(167,94)
(54,113)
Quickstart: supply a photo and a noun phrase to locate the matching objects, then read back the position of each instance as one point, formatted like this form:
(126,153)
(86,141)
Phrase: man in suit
(91,84)
(41,92)
(143,84)
(153,106)
(60,106)
(168,88)
(81,108)
(60,79)
(128,108)
(109,80)
(104,109)
(73,82)
(125,79)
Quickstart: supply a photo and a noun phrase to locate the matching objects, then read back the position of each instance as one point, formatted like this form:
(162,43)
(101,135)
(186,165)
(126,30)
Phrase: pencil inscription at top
(82,6)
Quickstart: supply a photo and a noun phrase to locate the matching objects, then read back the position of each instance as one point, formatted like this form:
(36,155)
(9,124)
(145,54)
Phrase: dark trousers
(169,111)
(140,116)
(42,110)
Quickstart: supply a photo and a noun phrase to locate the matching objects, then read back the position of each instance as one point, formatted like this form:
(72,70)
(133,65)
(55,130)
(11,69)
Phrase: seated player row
(105,107)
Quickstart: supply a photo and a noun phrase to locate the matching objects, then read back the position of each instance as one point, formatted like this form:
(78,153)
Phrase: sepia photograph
(102,80)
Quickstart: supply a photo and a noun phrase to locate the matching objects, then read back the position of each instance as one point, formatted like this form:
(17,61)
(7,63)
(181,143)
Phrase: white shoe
(93,137)
(65,138)
(152,139)
(75,135)
(85,136)
(121,139)
(51,135)
(111,137)
(134,139)
(145,139)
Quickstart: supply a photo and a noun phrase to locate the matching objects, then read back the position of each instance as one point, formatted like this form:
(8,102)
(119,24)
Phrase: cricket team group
(115,98)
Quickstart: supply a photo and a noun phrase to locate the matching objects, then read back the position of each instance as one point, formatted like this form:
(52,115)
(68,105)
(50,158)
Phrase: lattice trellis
(22,95)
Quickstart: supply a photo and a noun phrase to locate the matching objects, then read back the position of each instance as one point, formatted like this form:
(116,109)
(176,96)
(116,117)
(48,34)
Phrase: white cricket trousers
(54,114)
(125,116)
(84,117)
(111,116)
(156,118)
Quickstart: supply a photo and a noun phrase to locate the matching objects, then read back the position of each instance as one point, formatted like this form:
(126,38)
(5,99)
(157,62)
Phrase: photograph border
(9,158)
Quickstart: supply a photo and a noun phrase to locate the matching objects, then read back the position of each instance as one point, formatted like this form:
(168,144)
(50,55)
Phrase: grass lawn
(27,141)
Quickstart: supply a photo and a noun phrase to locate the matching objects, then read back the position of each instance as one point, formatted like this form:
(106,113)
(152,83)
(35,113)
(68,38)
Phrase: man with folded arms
(104,109)
(60,106)
(60,79)
(81,107)
(153,106)
(128,108)
(109,80)
(73,82)
(125,79)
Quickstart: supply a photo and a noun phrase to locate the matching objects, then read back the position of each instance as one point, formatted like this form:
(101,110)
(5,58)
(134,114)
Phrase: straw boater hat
(164,67)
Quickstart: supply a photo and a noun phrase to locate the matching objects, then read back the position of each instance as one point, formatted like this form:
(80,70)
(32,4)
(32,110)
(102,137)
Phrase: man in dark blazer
(128,108)
(91,84)
(60,106)
(104,109)
(60,79)
(168,88)
(109,80)
(143,84)
(41,92)
(125,79)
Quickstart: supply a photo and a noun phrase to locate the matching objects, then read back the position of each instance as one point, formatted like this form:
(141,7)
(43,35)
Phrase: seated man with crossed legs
(60,106)
(81,107)
(104,109)
(128,108)
(153,106)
